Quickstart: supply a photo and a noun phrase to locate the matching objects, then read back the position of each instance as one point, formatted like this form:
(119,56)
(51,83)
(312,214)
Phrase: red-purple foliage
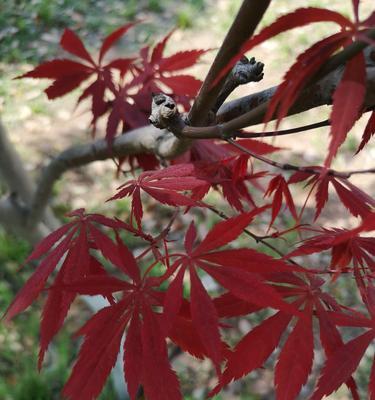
(161,296)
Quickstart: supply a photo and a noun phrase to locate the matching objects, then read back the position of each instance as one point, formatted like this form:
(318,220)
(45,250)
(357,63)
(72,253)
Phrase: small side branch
(291,167)
(245,71)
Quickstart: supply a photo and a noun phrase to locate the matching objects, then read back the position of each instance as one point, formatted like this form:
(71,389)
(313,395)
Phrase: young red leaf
(58,301)
(280,188)
(331,339)
(347,246)
(228,306)
(121,64)
(173,300)
(253,145)
(163,186)
(36,282)
(48,242)
(159,48)
(300,72)
(182,84)
(185,335)
(57,69)
(181,60)
(62,86)
(190,237)
(248,287)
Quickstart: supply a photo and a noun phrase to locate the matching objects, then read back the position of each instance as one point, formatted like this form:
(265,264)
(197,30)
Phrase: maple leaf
(295,358)
(253,145)
(229,174)
(330,339)
(236,270)
(297,353)
(346,110)
(145,349)
(344,359)
(63,70)
(346,246)
(68,74)
(354,199)
(163,185)
(155,69)
(72,241)
(307,63)
(252,351)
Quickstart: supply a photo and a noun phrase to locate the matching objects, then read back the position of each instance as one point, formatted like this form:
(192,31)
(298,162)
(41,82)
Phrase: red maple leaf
(296,356)
(347,247)
(156,69)
(72,241)
(146,360)
(354,199)
(343,360)
(163,185)
(239,271)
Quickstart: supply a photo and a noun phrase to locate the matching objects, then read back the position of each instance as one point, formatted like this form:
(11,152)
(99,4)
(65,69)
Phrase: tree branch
(291,167)
(245,71)
(21,188)
(147,139)
(243,27)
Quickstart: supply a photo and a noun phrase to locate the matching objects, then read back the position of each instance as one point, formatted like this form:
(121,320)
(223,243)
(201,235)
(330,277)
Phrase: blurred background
(29,34)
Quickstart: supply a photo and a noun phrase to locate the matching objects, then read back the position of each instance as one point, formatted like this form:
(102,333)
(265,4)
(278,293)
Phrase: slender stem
(291,167)
(298,129)
(213,132)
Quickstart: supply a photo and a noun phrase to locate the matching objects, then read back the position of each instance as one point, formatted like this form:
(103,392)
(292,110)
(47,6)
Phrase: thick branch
(243,27)
(12,170)
(143,140)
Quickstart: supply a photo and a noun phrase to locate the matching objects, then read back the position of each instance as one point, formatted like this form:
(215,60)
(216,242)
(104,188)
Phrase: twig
(291,167)
(298,129)
(245,71)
